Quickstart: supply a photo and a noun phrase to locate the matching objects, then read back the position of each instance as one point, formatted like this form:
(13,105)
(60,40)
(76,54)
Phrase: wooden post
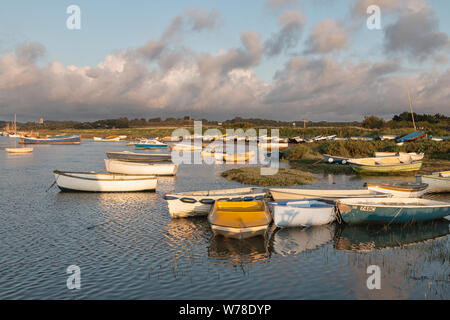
(304,123)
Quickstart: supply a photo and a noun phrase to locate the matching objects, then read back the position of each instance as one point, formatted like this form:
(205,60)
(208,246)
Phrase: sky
(272,59)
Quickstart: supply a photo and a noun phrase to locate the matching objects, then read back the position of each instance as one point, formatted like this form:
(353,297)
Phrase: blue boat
(390,210)
(333,159)
(68,139)
(411,137)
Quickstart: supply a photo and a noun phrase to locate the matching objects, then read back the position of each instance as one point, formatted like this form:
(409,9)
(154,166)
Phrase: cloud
(200,19)
(327,36)
(30,52)
(292,24)
(359,7)
(415,34)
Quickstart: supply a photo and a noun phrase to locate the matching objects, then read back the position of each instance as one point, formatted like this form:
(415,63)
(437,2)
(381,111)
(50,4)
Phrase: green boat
(390,210)
(384,165)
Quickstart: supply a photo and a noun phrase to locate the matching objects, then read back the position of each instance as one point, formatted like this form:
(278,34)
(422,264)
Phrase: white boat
(272,145)
(293,241)
(327,194)
(199,203)
(303,213)
(186,147)
(19,150)
(388,137)
(115,139)
(414,156)
(402,190)
(163,169)
(438,182)
(103,182)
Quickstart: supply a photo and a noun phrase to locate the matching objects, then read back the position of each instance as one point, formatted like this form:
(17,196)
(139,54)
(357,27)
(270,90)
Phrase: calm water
(128,247)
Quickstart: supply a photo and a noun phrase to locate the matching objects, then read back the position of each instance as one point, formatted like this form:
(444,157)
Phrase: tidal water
(128,247)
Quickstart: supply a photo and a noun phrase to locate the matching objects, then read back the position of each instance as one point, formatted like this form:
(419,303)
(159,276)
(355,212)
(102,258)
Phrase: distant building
(41,120)
(219,123)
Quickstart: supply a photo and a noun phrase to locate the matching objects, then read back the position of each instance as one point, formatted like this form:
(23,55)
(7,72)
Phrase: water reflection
(369,237)
(292,241)
(239,252)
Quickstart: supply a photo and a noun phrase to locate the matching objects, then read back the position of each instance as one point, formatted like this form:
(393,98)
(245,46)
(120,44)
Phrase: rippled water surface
(128,247)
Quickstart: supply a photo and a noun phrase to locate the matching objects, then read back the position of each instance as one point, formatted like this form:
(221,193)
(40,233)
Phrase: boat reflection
(292,241)
(366,238)
(185,232)
(239,252)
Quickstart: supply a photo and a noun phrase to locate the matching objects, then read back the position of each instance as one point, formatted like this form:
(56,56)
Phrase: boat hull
(74,139)
(150,146)
(301,213)
(353,213)
(397,191)
(332,159)
(402,167)
(138,157)
(300,194)
(436,184)
(89,182)
(194,204)
(19,150)
(116,166)
(239,219)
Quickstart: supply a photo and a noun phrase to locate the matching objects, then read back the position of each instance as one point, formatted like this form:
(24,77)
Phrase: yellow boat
(239,219)
(19,150)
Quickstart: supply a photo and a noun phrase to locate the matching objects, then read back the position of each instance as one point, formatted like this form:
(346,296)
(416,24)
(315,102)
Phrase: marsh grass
(284,177)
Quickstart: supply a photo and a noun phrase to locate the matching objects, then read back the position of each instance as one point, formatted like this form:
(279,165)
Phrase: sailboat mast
(15,124)
(410,108)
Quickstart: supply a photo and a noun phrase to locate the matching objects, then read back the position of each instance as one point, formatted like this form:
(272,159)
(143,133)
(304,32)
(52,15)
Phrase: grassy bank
(354,149)
(284,177)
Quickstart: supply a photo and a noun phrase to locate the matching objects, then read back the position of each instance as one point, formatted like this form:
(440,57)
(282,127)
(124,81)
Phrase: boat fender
(207,201)
(248,198)
(344,161)
(235,199)
(188,200)
(223,199)
(259,198)
(330,160)
(166,197)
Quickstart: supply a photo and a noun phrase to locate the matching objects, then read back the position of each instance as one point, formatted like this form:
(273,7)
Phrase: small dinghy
(103,182)
(139,157)
(186,147)
(107,139)
(327,194)
(384,164)
(239,219)
(391,210)
(19,150)
(302,213)
(414,156)
(199,203)
(403,190)
(438,182)
(67,139)
(124,167)
(333,159)
(150,144)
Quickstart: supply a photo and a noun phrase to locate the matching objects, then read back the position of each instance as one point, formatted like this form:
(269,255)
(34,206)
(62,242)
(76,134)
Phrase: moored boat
(413,155)
(139,157)
(384,165)
(199,203)
(68,139)
(303,213)
(438,182)
(103,182)
(125,167)
(19,150)
(239,219)
(327,194)
(186,147)
(150,144)
(391,210)
(107,139)
(410,137)
(403,190)
(334,159)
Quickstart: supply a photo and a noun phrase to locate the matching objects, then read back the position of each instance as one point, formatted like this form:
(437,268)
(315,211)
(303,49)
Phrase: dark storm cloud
(292,24)
(415,34)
